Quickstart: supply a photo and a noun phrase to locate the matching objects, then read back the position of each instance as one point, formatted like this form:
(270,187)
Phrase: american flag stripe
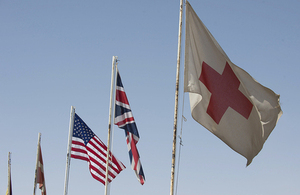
(97,161)
(124,119)
(88,147)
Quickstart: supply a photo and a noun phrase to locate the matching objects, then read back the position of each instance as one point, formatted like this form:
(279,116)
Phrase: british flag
(124,119)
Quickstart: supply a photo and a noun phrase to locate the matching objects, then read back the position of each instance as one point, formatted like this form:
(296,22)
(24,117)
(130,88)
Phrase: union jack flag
(124,119)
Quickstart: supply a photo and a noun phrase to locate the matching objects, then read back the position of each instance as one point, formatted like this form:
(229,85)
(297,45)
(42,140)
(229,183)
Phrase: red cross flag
(224,98)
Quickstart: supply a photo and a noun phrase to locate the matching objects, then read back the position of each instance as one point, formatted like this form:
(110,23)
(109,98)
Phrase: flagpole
(8,192)
(114,64)
(71,126)
(176,100)
(36,166)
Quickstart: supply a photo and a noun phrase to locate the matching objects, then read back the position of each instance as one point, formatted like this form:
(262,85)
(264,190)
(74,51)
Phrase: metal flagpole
(37,160)
(71,126)
(176,100)
(114,64)
(8,192)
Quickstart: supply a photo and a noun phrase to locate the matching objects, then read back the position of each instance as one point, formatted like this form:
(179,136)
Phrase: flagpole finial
(116,60)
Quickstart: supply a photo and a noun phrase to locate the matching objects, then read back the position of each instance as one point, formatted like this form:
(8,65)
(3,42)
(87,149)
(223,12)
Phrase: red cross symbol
(224,92)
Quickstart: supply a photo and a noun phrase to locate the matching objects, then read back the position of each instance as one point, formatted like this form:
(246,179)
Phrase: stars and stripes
(87,146)
(124,119)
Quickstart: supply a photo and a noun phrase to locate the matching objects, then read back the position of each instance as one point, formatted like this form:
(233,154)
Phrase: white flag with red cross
(224,98)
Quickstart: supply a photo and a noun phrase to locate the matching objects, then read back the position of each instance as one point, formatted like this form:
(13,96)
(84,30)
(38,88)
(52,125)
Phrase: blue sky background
(54,54)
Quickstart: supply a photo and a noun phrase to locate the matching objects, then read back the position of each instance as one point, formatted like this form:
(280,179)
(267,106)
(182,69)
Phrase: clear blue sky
(56,54)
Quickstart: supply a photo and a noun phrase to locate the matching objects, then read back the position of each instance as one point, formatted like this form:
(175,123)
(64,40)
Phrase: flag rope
(180,144)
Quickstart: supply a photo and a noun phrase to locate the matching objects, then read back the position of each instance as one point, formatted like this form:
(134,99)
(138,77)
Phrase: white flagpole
(37,160)
(71,126)
(114,64)
(176,100)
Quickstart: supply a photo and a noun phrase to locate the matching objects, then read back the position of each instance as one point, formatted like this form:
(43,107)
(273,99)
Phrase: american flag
(124,119)
(87,146)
